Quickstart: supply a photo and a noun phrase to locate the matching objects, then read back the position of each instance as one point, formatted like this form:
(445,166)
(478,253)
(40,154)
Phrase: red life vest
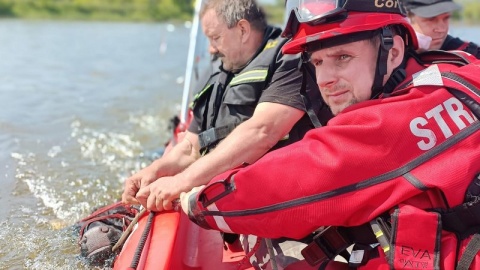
(405,155)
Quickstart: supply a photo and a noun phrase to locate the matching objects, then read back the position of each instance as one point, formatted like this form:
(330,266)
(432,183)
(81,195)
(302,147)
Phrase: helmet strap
(386,43)
(397,77)
(306,71)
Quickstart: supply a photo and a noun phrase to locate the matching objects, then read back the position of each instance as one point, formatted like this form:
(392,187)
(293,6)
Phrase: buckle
(207,137)
(386,38)
(326,246)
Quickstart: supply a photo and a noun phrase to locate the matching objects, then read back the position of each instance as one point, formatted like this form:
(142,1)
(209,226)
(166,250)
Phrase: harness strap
(471,251)
(271,253)
(246,259)
(326,246)
(334,241)
(463,220)
(213,135)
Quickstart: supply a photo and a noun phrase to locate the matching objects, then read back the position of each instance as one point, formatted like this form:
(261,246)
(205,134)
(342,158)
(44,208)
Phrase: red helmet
(314,21)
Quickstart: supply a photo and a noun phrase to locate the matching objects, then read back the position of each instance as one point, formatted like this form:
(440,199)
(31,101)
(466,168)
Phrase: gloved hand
(185,198)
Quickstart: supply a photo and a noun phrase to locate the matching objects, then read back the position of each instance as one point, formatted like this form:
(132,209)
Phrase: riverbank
(98,10)
(114,10)
(153,10)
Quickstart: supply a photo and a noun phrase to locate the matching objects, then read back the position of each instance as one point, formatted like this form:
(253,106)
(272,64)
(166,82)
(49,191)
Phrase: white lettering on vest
(455,110)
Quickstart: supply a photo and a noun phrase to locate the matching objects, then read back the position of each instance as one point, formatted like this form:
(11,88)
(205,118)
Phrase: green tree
(157,10)
(6,8)
(471,12)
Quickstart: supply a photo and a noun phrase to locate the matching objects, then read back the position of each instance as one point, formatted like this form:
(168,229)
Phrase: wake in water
(68,181)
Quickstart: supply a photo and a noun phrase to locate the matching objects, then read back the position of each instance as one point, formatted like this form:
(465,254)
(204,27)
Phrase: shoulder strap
(433,57)
(472,104)
(438,57)
(471,251)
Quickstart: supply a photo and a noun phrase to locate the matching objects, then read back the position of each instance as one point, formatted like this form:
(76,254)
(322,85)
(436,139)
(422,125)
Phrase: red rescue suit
(405,155)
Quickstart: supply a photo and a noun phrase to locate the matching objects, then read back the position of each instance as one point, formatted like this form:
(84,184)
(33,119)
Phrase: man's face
(435,27)
(345,73)
(224,42)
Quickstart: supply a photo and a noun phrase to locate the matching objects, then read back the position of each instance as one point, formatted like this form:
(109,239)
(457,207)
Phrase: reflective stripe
(219,220)
(199,94)
(429,76)
(258,75)
(271,44)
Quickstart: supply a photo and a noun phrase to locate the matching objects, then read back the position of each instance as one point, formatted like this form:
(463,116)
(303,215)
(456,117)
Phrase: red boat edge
(176,243)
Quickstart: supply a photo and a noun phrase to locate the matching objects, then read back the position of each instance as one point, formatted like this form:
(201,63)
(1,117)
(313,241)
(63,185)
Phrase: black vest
(229,99)
(452,43)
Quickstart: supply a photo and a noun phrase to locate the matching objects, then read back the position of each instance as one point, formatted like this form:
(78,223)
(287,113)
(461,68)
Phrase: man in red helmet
(395,172)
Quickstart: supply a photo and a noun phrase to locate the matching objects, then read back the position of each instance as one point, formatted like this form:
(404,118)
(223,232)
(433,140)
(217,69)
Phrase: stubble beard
(338,109)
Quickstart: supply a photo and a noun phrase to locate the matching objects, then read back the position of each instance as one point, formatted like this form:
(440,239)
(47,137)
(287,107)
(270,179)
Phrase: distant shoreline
(156,11)
(98,10)
(118,10)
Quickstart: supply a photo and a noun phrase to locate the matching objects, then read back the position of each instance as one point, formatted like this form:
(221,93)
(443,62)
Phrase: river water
(82,106)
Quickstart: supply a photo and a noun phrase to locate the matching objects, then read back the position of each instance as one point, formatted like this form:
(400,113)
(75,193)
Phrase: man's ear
(397,52)
(245,29)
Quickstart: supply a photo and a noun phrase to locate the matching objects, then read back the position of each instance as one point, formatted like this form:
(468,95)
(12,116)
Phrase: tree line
(150,10)
(134,10)
(470,12)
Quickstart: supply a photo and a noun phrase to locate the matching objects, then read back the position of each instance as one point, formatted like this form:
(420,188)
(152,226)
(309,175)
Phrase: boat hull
(174,242)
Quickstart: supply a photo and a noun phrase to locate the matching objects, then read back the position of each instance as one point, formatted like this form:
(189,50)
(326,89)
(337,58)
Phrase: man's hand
(134,183)
(158,196)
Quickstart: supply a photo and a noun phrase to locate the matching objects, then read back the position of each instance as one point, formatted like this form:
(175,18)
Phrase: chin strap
(386,43)
(303,67)
(398,76)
